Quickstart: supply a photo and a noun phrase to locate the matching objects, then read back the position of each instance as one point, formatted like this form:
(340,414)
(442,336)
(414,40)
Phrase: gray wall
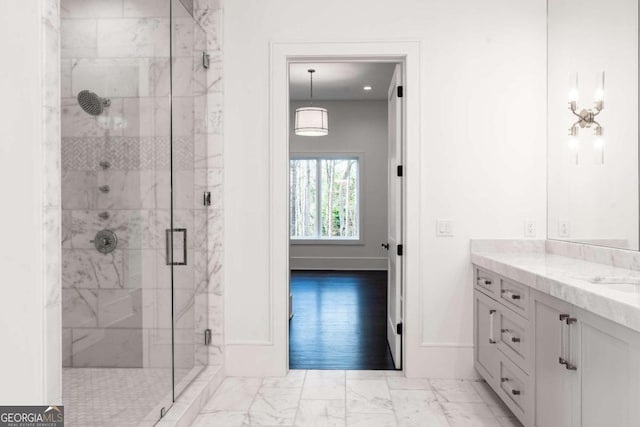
(354,127)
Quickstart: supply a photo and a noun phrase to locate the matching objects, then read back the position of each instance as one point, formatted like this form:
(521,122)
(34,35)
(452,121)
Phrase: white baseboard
(338,263)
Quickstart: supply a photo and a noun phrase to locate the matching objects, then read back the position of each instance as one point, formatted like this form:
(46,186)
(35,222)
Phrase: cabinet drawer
(515,389)
(514,338)
(515,296)
(486,281)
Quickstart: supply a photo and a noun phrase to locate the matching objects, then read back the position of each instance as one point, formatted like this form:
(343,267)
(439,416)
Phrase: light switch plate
(530,228)
(444,228)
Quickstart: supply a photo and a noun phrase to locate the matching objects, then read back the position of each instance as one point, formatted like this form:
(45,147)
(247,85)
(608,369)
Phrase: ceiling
(340,81)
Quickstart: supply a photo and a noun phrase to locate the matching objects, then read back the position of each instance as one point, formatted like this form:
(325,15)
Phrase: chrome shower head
(92,103)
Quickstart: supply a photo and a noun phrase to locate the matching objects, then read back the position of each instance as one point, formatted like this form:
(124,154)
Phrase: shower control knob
(105,165)
(104,189)
(105,241)
(104,215)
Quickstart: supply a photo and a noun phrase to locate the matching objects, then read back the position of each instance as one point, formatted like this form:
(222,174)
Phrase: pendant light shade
(311,121)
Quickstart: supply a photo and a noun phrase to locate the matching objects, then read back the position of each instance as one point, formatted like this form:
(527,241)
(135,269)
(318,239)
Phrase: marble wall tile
(211,22)
(216,274)
(183,116)
(78,38)
(135,229)
(120,308)
(87,269)
(207,4)
(215,224)
(200,272)
(200,109)
(127,190)
(80,307)
(111,78)
(183,76)
(75,122)
(66,347)
(91,9)
(65,78)
(133,37)
(146,8)
(183,186)
(79,189)
(183,34)
(107,348)
(214,112)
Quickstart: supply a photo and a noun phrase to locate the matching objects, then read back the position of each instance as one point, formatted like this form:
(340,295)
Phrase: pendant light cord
(311,87)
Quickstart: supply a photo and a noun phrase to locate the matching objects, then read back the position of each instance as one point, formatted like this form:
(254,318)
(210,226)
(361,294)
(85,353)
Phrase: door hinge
(400,91)
(207,337)
(399,329)
(400,170)
(400,250)
(206,198)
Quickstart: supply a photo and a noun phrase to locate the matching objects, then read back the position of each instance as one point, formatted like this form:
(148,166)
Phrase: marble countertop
(608,291)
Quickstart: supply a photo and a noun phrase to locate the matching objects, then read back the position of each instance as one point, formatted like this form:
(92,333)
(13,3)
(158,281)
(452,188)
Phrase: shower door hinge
(400,91)
(207,337)
(206,198)
(206,59)
(399,329)
(400,250)
(400,170)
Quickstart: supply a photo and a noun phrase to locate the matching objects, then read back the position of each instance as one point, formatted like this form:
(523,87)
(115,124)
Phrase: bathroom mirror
(593,174)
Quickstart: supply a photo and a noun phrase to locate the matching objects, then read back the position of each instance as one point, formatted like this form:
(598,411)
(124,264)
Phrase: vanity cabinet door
(609,367)
(485,337)
(554,383)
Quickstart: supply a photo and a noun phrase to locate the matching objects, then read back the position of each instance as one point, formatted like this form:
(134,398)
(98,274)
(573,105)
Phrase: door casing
(406,53)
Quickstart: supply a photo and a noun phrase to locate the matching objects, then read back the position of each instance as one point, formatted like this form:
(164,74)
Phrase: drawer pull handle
(511,294)
(513,338)
(513,391)
(484,282)
(491,314)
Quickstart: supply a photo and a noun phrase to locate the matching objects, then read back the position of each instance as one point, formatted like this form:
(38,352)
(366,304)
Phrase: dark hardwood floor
(339,320)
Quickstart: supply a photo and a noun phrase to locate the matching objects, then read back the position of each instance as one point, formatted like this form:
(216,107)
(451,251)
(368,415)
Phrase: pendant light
(311,121)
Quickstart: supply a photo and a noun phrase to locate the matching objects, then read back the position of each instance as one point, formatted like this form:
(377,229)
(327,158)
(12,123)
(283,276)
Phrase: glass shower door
(188,235)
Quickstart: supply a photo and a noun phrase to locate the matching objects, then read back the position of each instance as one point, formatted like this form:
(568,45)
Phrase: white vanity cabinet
(552,363)
(502,352)
(587,368)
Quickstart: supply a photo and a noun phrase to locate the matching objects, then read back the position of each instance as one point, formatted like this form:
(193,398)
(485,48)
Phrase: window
(325,198)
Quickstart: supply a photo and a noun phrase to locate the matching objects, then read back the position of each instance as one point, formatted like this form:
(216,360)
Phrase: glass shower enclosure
(134,244)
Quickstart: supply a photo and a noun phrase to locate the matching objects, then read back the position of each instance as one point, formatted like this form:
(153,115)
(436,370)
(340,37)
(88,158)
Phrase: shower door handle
(170,246)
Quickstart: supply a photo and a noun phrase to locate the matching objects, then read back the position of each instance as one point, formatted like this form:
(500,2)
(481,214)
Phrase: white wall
(358,127)
(482,159)
(30,364)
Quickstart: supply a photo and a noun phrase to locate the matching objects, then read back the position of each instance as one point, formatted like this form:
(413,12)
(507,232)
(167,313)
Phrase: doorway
(345,216)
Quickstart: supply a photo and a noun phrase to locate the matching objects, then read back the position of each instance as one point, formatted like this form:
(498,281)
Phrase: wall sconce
(587,117)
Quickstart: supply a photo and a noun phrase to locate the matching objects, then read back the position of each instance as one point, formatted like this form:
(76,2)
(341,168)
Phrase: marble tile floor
(121,397)
(353,399)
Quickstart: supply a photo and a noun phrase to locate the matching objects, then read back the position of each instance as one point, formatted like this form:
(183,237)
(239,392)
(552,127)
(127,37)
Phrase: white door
(394,242)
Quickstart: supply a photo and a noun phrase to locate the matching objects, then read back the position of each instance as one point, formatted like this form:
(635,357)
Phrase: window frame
(318,157)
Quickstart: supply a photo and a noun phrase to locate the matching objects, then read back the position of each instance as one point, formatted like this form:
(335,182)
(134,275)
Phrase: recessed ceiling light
(367,88)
